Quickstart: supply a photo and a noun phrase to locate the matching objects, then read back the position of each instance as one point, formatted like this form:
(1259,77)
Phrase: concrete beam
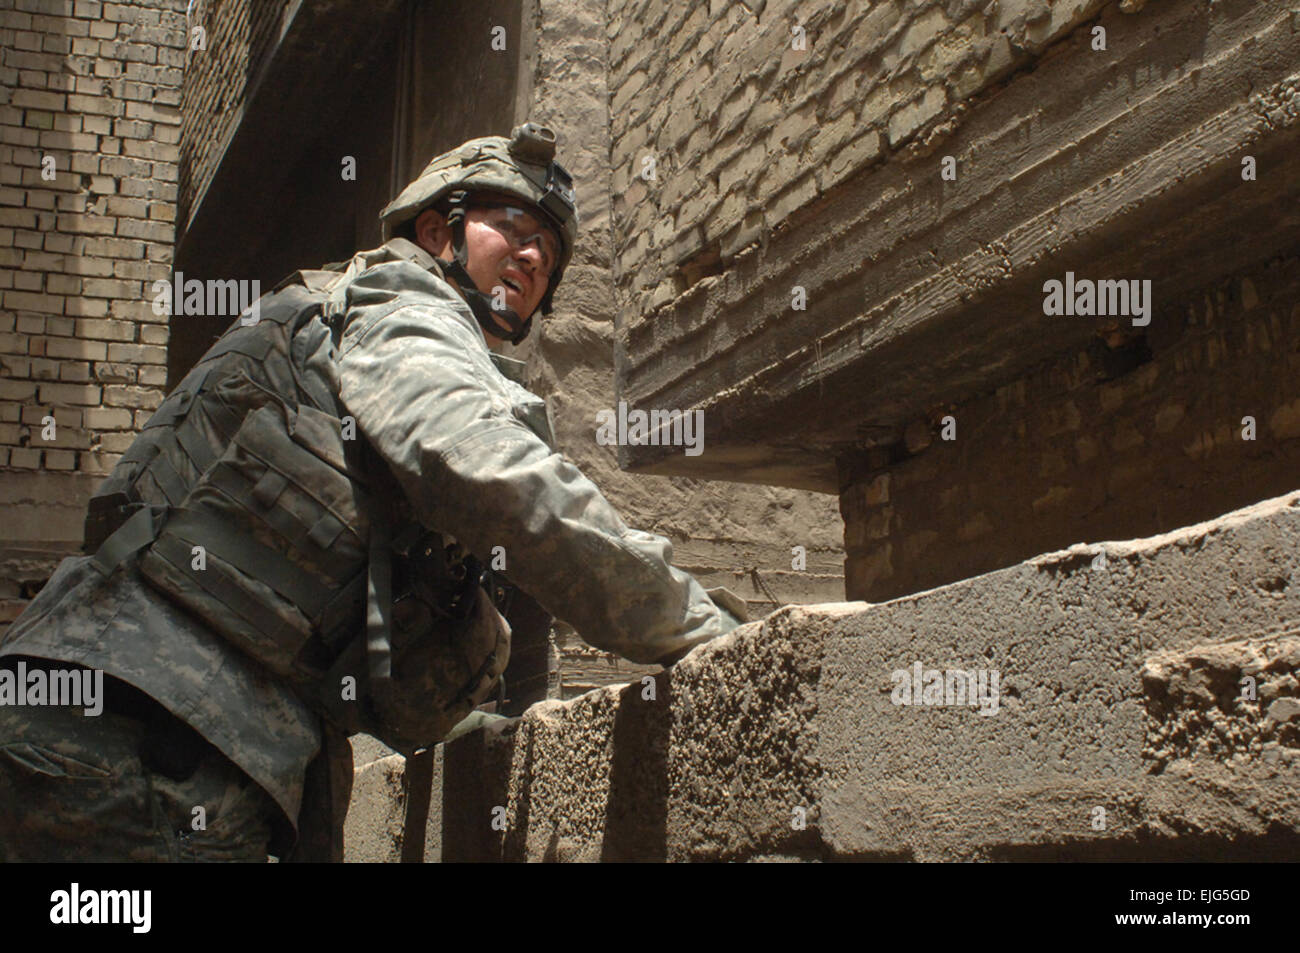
(921,292)
(1122,728)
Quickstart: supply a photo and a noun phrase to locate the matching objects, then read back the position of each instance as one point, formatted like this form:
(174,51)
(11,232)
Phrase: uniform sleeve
(414,372)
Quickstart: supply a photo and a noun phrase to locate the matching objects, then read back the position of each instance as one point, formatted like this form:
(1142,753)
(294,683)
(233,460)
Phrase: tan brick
(37,99)
(65,244)
(91,461)
(152,376)
(141,310)
(153,334)
(916,114)
(150,112)
(91,265)
(17,218)
(137,353)
(107,418)
(157,151)
(87,224)
(74,371)
(25,59)
(921,32)
(95,105)
(31,324)
(151,231)
(26,40)
(107,373)
(121,205)
(27,301)
(24,458)
(76,348)
(116,442)
(118,395)
(106,330)
(83,394)
(110,288)
(67,201)
(87,307)
(132,129)
(43,261)
(32,240)
(63,284)
(76,141)
(115,247)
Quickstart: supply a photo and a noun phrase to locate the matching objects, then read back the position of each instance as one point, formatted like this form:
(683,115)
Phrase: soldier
(290,551)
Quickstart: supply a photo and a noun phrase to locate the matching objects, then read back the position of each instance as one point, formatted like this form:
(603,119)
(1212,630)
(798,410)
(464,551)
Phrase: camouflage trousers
(74,787)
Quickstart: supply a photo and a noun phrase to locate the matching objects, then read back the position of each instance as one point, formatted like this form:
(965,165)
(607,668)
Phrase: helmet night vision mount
(522,167)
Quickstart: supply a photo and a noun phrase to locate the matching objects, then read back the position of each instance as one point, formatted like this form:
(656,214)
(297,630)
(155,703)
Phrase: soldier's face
(511,253)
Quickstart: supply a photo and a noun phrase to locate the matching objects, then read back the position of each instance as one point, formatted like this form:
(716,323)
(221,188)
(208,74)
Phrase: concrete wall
(95,88)
(1147,709)
(1107,440)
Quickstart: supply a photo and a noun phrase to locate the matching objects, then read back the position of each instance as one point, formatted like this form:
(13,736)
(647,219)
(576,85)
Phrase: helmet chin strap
(504,323)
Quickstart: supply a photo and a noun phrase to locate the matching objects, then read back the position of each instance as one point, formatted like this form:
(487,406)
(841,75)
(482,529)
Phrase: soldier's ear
(433,234)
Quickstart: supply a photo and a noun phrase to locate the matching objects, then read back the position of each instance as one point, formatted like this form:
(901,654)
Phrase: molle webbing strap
(172,484)
(194,445)
(140,529)
(262,563)
(283,522)
(225,420)
(269,626)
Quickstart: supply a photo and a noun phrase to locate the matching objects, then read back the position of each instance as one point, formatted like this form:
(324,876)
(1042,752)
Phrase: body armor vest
(256,506)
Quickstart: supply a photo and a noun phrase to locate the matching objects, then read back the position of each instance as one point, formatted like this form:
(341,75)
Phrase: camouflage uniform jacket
(473,452)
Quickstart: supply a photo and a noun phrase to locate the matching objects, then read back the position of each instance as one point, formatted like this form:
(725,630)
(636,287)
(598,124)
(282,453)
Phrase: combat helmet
(521,167)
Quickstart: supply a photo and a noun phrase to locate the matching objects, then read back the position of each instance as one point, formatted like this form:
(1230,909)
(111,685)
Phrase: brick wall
(744,128)
(1097,445)
(239,36)
(88,133)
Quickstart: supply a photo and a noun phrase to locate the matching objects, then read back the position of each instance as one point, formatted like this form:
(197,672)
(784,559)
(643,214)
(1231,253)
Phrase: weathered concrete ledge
(1125,727)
